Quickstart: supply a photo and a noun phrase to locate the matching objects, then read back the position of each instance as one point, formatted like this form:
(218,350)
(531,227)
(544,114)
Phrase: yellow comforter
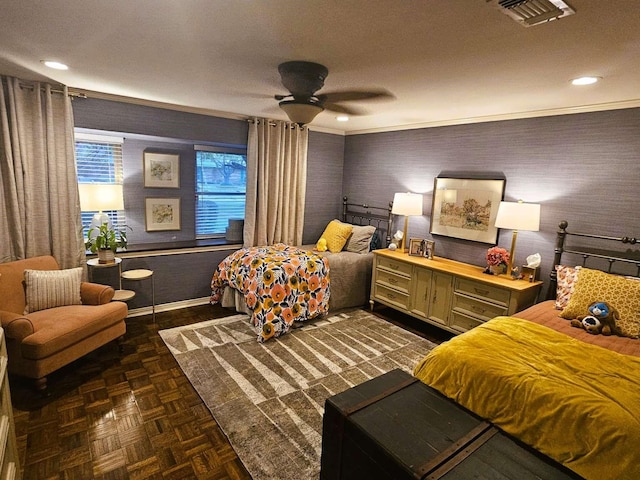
(577,403)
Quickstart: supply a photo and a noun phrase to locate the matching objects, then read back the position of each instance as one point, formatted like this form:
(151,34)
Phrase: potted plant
(105,242)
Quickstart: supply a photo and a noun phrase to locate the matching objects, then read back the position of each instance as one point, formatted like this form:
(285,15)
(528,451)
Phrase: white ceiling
(445,61)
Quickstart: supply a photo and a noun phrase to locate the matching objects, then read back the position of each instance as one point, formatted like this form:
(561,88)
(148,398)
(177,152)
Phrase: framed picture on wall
(466,208)
(161,170)
(162,214)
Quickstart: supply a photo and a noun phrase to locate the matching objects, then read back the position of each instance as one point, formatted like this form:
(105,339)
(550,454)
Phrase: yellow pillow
(336,235)
(621,293)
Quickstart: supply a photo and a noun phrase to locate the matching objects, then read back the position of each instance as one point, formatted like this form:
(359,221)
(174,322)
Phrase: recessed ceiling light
(56,65)
(585,80)
(342,118)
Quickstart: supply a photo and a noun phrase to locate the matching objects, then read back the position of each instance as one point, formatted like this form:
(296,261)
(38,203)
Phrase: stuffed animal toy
(602,319)
(321,246)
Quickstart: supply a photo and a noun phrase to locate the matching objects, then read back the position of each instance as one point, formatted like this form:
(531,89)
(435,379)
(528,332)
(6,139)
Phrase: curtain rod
(53,90)
(271,123)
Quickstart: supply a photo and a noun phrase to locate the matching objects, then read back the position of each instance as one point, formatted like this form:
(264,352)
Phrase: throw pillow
(376,242)
(360,239)
(619,292)
(52,288)
(336,235)
(566,277)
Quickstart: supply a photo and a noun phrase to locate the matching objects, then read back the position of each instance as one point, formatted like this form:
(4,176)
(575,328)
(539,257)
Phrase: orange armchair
(41,342)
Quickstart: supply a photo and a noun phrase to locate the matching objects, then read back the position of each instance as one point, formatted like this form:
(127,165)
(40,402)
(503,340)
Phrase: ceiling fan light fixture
(300,112)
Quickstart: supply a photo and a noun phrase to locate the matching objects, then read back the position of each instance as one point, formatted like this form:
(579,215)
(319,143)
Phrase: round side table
(120,295)
(143,274)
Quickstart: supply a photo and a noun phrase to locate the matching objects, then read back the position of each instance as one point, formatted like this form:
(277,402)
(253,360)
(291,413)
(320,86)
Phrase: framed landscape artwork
(161,170)
(466,208)
(162,214)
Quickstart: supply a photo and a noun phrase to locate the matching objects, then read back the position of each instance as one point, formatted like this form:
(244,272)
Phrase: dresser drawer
(482,291)
(393,280)
(385,294)
(394,266)
(477,308)
(462,322)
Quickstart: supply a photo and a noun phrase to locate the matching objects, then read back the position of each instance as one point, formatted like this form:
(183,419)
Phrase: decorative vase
(106,255)
(498,269)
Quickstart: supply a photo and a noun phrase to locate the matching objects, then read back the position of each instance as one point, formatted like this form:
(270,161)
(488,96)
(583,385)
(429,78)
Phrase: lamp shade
(98,197)
(407,204)
(300,112)
(518,216)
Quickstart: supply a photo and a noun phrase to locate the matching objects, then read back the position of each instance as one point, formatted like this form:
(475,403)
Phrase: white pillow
(360,239)
(52,288)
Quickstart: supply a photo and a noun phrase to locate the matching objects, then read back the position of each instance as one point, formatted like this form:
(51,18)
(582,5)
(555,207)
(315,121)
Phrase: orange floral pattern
(281,284)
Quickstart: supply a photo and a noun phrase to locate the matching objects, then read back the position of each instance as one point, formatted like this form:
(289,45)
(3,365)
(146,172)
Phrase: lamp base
(97,221)
(405,240)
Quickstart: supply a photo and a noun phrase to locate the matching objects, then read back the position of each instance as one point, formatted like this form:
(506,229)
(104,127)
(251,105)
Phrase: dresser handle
(394,266)
(391,296)
(475,308)
(481,292)
(393,281)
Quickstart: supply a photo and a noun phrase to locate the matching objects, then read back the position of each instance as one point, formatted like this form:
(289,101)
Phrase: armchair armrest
(95,293)
(16,326)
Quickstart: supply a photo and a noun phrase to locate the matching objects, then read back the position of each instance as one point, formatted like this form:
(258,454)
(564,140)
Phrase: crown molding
(510,116)
(394,128)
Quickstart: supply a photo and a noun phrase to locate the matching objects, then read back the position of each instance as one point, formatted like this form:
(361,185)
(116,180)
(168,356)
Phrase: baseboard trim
(165,307)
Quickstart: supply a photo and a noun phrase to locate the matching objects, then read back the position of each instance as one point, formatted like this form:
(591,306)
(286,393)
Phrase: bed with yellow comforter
(577,403)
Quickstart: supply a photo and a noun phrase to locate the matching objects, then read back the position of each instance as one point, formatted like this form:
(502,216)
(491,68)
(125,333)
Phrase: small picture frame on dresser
(421,247)
(429,249)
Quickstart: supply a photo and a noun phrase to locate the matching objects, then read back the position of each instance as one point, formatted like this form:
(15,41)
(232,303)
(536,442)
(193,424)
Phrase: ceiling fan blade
(354,95)
(334,107)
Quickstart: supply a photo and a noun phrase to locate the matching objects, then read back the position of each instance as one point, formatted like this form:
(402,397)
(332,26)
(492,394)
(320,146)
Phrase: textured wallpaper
(583,168)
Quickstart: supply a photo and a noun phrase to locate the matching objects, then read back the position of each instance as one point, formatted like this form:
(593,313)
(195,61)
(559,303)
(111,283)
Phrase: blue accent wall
(583,168)
(188,276)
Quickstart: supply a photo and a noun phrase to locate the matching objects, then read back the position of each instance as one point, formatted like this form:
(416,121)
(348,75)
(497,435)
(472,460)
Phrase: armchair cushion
(52,288)
(61,327)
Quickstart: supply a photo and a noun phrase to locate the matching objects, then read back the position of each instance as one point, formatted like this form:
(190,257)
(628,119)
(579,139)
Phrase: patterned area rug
(269,398)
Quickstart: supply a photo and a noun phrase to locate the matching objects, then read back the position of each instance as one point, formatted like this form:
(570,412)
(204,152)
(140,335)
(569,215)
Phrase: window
(99,160)
(221,186)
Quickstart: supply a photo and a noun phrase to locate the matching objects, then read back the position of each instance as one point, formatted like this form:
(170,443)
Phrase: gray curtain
(276,183)
(39,189)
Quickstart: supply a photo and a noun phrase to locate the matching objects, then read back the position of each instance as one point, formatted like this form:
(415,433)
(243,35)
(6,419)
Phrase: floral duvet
(281,284)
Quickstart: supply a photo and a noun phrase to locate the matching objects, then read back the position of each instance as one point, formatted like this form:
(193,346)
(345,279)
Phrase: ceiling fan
(303,80)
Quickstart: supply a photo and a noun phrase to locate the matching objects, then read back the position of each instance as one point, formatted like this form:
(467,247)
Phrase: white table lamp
(517,216)
(406,204)
(98,197)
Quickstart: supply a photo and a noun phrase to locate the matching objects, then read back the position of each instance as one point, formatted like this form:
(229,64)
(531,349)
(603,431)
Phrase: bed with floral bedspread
(281,285)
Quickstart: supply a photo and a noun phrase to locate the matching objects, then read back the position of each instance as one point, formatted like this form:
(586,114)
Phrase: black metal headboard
(363,214)
(600,255)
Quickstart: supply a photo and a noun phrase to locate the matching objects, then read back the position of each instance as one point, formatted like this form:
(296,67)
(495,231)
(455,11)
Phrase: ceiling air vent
(533,12)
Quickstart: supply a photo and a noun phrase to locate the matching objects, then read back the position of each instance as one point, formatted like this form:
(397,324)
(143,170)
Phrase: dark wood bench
(396,427)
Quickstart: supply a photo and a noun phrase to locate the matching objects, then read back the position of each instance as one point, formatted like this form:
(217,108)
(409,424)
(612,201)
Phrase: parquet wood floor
(124,416)
(132,415)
